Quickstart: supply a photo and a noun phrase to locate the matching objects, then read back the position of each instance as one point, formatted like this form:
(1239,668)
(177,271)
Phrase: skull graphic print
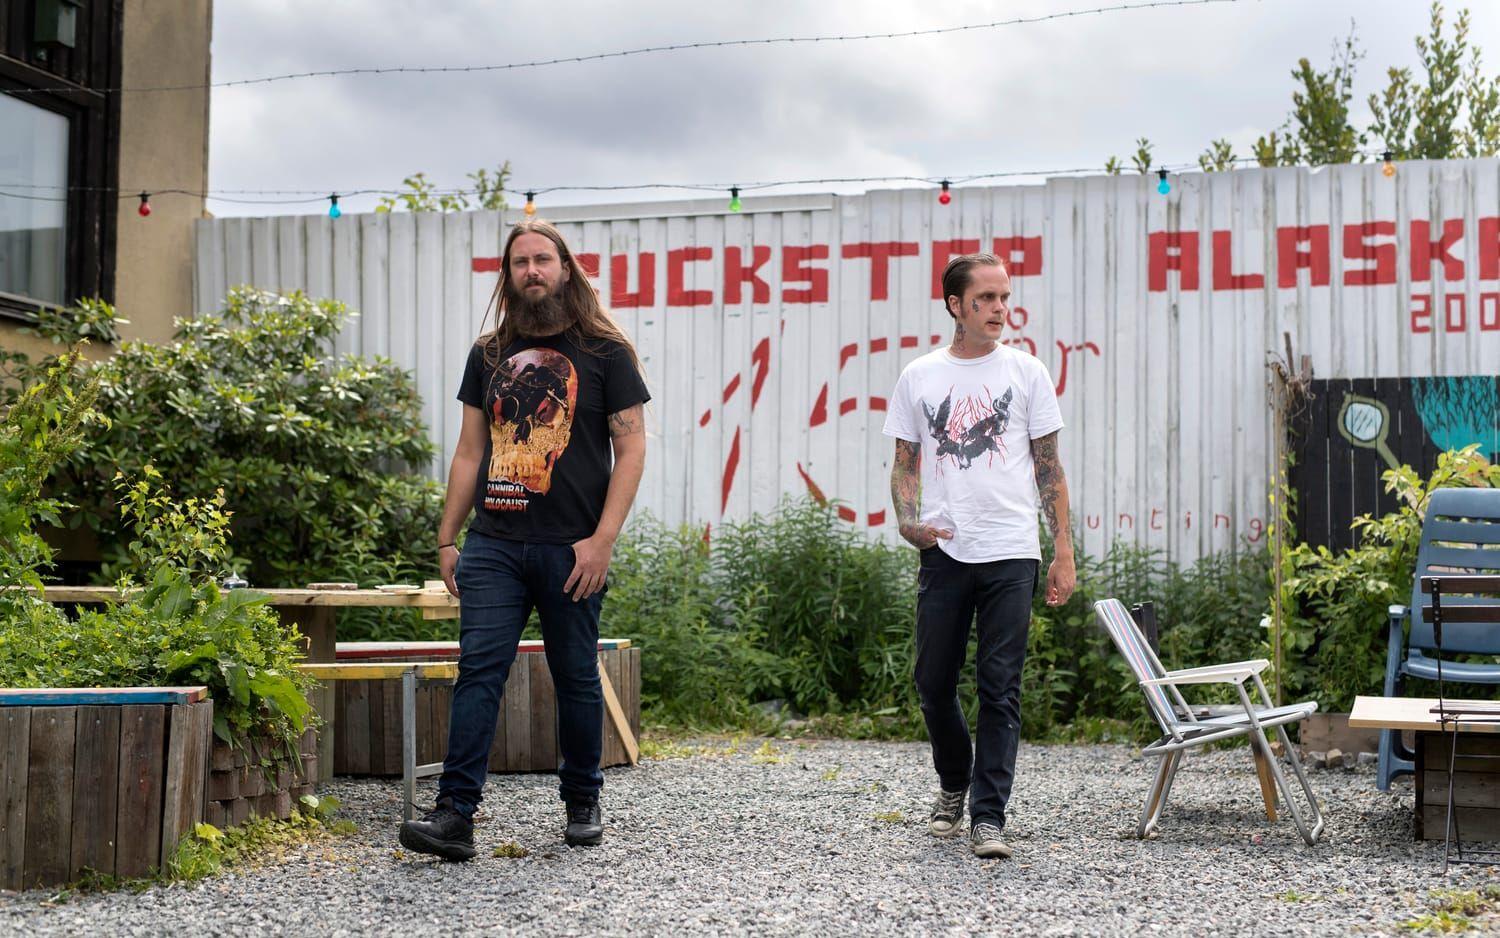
(531,420)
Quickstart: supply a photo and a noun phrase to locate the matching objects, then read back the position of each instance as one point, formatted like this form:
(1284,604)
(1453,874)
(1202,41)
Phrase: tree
(489,193)
(1424,118)
(1320,108)
(1142,156)
(1218,157)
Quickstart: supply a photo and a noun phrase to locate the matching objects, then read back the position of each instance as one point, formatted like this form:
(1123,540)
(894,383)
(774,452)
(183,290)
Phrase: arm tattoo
(628,421)
(906,481)
(1052,487)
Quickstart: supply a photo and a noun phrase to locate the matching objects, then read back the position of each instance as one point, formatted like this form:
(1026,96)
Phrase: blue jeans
(500,582)
(951,597)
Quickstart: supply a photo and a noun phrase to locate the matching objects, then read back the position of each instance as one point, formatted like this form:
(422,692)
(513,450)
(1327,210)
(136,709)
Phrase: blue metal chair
(1461,534)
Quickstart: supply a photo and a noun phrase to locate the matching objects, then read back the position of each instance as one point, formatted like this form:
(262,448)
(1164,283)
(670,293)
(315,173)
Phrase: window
(33,201)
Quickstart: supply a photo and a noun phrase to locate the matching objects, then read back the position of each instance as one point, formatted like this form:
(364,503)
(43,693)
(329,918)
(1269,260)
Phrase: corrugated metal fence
(771,337)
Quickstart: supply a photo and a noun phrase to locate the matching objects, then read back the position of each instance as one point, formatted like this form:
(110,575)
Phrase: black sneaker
(442,832)
(985,841)
(947,816)
(585,824)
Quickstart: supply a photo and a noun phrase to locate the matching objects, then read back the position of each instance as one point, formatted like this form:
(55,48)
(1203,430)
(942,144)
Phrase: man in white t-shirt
(976,460)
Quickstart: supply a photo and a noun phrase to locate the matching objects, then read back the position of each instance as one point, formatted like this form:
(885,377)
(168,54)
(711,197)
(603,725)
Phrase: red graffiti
(1065,350)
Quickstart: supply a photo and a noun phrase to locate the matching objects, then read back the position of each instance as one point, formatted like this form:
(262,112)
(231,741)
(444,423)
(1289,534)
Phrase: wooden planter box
(366,715)
(1476,786)
(106,779)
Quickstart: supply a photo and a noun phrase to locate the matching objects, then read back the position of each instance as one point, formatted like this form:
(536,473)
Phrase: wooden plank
(617,717)
(327,733)
(1406,713)
(356,727)
(329,671)
(340,693)
(612,752)
(49,800)
(96,696)
(516,702)
(15,761)
(543,711)
(142,760)
(1340,471)
(186,773)
(1366,465)
(1267,783)
(96,786)
(390,706)
(442,706)
(283,599)
(1474,824)
(1474,789)
(376,691)
(425,748)
(634,710)
(1313,503)
(428,651)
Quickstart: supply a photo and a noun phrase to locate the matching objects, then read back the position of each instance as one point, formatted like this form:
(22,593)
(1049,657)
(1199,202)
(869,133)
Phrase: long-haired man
(548,460)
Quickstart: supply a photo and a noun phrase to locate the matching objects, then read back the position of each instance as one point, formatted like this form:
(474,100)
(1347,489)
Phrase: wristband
(450,544)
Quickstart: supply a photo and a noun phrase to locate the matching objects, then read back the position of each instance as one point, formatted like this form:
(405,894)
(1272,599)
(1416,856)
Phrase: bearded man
(549,395)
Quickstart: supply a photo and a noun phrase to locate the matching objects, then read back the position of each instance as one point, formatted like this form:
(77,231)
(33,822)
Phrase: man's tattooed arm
(627,421)
(906,491)
(1053,488)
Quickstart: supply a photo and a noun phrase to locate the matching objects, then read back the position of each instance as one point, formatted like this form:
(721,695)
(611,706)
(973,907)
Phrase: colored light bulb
(333,207)
(1163,186)
(1389,169)
(145,208)
(734,200)
(945,196)
(530,207)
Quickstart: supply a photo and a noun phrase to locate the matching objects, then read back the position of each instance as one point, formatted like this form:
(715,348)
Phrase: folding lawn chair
(1182,728)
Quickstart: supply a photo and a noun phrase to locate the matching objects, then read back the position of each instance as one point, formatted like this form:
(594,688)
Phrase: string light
(145,207)
(734,199)
(1389,169)
(530,207)
(1163,186)
(945,196)
(9,190)
(333,206)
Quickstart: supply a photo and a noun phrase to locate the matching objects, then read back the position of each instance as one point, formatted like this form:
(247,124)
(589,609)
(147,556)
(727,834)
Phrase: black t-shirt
(548,459)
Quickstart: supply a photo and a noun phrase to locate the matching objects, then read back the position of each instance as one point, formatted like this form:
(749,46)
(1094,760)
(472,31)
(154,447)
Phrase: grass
(890,817)
(1456,910)
(510,850)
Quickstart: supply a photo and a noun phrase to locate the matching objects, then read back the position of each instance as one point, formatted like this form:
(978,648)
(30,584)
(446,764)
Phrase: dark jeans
(501,582)
(952,595)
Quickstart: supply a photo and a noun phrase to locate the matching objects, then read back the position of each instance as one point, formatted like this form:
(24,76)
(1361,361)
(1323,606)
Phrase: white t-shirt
(975,419)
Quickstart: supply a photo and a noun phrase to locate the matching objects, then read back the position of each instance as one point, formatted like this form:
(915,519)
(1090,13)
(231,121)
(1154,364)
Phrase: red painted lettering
(619,281)
(677,261)
(880,254)
(1022,256)
(1224,276)
(1421,312)
(1125,521)
(1357,247)
(1489,312)
(1257,529)
(1154,525)
(1291,257)
(1172,250)
(484,265)
(1092,521)
(1217,518)
(1489,249)
(737,274)
(795,269)
(589,264)
(941,252)
(1424,250)
(1455,312)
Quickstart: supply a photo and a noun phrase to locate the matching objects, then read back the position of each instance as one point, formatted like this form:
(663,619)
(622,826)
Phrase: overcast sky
(1056,95)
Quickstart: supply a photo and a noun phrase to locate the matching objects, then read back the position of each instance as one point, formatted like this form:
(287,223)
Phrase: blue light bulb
(1163,187)
(333,207)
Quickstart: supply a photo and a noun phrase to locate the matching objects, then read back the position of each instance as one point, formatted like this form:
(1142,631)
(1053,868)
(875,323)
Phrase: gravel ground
(794,837)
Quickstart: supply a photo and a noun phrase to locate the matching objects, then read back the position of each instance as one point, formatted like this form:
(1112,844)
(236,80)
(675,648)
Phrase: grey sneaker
(947,813)
(985,841)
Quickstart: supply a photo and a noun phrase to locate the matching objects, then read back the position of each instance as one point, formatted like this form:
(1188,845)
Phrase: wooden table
(314,612)
(1476,782)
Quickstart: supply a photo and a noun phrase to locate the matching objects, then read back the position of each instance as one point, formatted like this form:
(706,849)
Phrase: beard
(543,316)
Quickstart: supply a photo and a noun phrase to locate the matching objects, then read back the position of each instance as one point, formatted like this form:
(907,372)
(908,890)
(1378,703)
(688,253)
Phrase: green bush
(176,627)
(1334,639)
(316,454)
(802,607)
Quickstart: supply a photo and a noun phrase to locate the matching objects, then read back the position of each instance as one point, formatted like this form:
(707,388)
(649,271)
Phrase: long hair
(591,323)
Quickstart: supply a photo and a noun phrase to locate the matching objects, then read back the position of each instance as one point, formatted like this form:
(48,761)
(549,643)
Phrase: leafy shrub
(1335,632)
(177,628)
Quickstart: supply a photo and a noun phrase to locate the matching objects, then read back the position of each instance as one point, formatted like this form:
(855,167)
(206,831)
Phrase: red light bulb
(145,208)
(944,197)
